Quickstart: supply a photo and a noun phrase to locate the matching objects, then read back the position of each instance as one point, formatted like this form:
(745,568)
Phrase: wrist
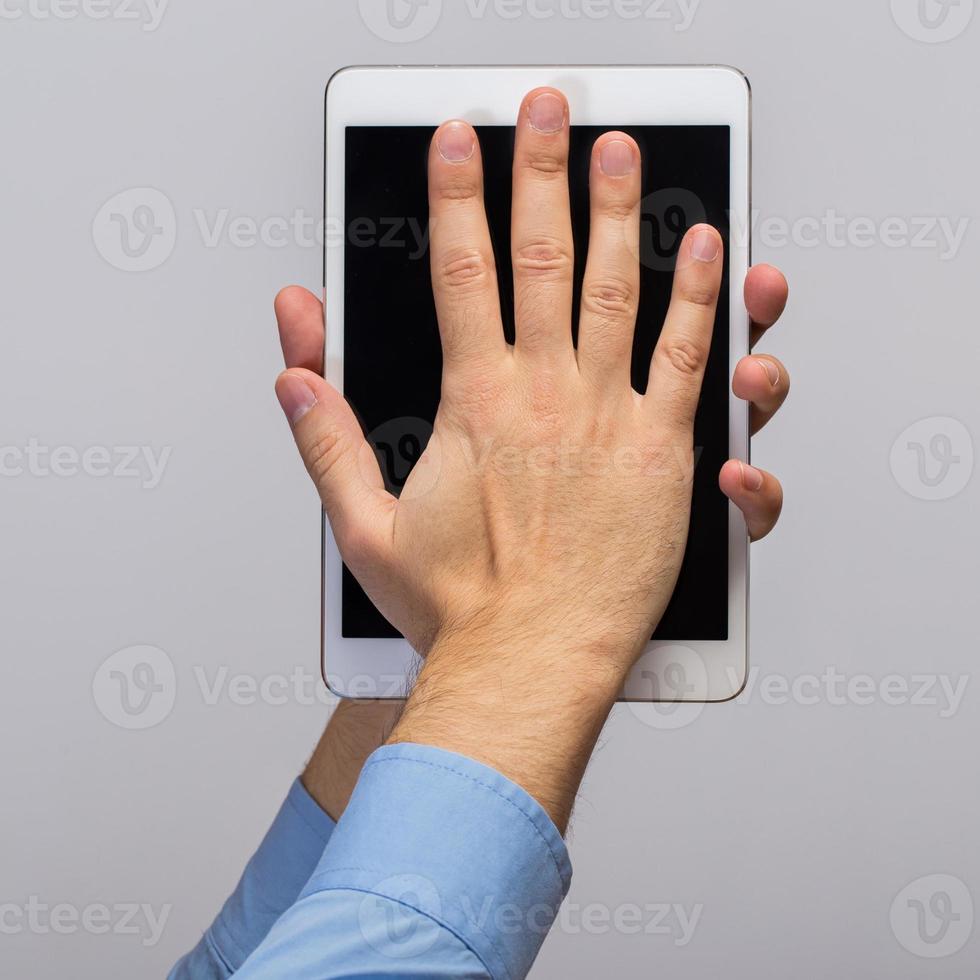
(535,628)
(518,701)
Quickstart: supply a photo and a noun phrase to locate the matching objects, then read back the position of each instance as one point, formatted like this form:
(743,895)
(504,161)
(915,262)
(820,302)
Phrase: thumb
(340,461)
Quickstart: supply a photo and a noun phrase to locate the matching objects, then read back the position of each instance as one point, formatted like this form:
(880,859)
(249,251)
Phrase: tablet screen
(392,357)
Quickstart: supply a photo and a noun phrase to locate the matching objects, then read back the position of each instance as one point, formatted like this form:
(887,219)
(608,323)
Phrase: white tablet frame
(692,671)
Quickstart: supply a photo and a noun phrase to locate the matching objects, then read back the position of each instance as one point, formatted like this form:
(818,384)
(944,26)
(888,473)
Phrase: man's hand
(538,540)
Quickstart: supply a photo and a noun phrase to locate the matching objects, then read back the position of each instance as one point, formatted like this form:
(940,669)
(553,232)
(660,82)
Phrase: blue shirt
(439,867)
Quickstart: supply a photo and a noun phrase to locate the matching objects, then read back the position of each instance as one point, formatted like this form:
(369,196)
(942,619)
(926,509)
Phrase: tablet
(693,128)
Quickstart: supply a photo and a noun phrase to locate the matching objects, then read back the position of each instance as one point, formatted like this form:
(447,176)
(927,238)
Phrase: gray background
(793,822)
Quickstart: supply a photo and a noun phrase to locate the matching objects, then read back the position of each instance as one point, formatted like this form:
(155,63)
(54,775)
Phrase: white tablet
(693,127)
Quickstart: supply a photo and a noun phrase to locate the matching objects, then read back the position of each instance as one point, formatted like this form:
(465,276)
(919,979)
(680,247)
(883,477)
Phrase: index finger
(464,275)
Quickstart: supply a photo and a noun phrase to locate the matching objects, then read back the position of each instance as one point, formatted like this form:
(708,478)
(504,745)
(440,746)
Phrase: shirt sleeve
(271,882)
(439,867)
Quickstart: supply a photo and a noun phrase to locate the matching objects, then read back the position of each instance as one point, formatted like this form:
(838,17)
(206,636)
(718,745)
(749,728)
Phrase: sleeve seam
(325,838)
(486,786)
(432,918)
(212,942)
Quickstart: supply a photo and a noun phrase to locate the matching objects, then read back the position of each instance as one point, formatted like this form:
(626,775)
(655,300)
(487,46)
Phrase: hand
(357,728)
(545,524)
(761,379)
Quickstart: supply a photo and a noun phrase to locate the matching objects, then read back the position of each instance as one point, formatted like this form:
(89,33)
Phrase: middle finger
(542,249)
(763,382)
(611,287)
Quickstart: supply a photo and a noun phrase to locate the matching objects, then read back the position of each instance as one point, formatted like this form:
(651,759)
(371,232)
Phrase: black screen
(392,357)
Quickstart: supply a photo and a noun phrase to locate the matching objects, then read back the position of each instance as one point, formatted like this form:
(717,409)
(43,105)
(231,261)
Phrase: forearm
(354,731)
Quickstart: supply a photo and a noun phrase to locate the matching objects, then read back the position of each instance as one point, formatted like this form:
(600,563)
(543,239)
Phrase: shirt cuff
(459,843)
(273,878)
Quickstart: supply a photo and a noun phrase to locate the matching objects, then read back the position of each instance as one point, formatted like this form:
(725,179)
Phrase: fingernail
(772,372)
(455,142)
(295,396)
(616,158)
(705,246)
(546,113)
(751,477)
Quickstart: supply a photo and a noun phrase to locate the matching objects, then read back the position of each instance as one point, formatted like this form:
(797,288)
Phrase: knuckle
(459,186)
(609,298)
(617,208)
(464,268)
(546,163)
(700,293)
(683,356)
(322,456)
(547,258)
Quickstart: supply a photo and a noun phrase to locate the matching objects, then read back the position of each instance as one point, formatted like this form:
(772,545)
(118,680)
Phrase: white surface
(359,96)
(793,821)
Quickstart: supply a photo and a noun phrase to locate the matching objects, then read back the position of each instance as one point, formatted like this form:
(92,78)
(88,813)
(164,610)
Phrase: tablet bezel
(709,671)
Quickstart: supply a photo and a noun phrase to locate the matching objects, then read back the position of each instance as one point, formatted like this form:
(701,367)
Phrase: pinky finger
(757,494)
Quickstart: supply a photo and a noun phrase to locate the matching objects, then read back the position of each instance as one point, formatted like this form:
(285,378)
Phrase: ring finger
(756,493)
(763,382)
